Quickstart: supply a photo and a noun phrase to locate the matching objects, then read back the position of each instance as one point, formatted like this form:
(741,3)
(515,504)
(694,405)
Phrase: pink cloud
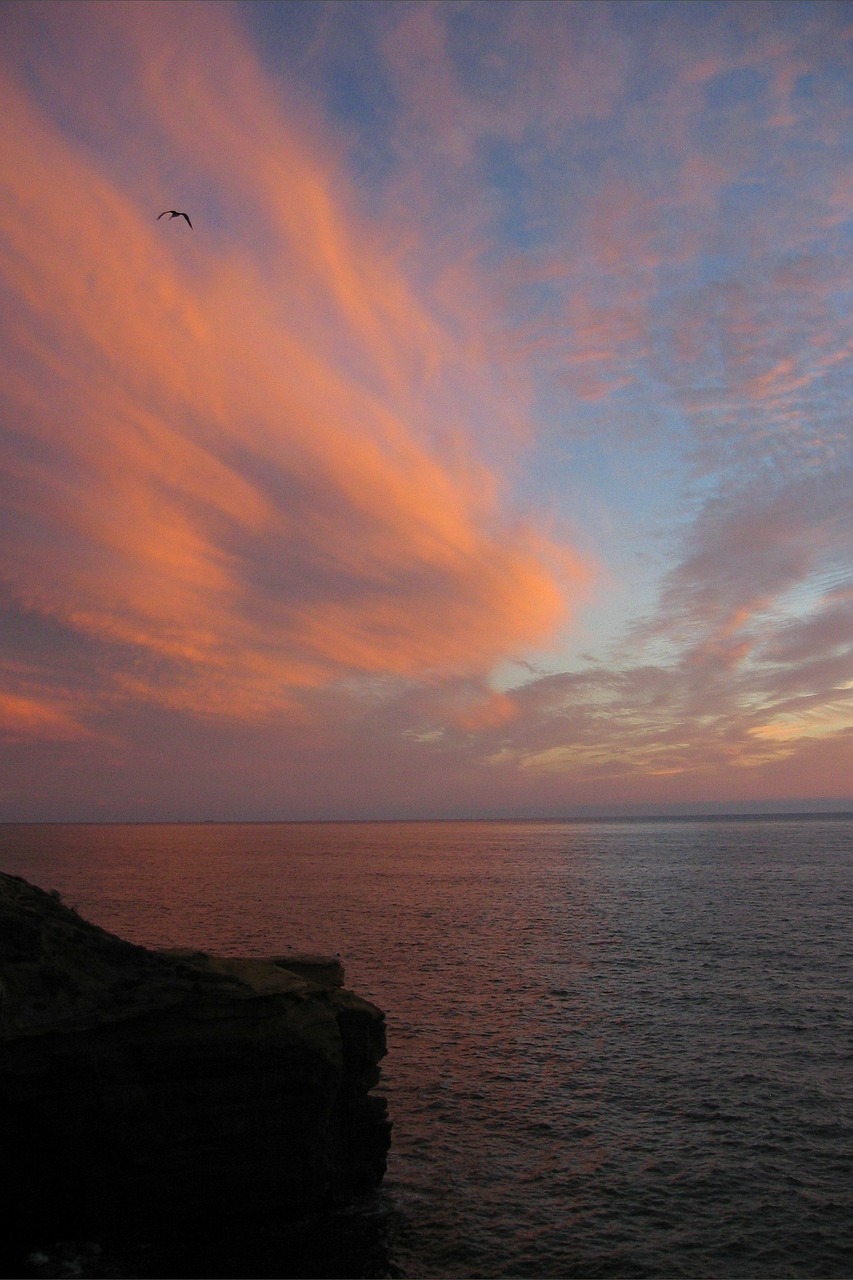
(254,476)
(524,64)
(35,717)
(829,629)
(227,462)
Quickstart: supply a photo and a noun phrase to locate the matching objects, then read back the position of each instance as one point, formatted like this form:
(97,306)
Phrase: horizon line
(698,816)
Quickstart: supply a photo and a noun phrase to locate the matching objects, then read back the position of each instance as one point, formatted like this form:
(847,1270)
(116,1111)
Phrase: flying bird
(174,213)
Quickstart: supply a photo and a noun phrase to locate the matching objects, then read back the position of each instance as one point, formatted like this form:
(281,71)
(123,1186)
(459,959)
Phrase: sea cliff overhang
(141,1087)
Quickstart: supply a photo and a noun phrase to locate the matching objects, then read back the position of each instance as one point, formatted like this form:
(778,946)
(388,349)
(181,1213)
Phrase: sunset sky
(485,448)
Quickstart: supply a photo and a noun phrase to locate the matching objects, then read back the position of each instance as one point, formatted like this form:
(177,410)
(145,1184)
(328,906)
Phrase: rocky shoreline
(150,1095)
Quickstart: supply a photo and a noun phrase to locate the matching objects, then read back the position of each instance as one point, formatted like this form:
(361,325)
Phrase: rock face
(141,1087)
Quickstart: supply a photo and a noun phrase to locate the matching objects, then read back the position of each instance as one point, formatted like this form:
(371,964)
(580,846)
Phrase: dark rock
(327,971)
(143,1089)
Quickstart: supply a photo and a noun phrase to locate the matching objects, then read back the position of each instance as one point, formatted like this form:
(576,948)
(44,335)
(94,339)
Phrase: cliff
(141,1087)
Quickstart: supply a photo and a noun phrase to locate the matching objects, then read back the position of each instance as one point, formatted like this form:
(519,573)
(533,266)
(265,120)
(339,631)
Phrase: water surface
(616,1049)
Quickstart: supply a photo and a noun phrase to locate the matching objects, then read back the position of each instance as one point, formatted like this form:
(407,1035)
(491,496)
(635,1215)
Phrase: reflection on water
(615,1049)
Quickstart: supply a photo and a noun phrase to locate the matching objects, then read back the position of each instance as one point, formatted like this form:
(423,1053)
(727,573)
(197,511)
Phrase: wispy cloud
(224,456)
(294,485)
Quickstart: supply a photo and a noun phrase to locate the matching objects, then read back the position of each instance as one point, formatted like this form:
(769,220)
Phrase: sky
(483,450)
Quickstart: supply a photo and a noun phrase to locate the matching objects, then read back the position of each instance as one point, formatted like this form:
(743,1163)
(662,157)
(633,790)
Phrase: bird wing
(163,214)
(187,216)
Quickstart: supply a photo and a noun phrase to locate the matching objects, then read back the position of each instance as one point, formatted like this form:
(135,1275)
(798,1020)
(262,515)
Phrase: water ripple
(616,1049)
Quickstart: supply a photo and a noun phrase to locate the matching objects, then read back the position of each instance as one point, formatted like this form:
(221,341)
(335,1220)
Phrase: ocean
(615,1048)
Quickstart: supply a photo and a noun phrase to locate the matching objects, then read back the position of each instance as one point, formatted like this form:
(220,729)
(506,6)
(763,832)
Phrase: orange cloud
(228,460)
(23,718)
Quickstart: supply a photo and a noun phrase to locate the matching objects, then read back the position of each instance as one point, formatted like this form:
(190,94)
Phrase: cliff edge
(140,1087)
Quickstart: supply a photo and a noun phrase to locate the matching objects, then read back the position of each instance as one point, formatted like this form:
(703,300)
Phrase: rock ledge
(141,1087)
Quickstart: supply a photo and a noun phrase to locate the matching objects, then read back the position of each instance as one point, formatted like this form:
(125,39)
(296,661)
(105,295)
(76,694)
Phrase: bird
(174,213)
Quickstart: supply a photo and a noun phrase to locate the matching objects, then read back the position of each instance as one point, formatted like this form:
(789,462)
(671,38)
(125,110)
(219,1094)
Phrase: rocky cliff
(141,1087)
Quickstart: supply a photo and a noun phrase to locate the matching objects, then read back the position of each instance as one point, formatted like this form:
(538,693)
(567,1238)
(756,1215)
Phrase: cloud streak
(303,491)
(219,467)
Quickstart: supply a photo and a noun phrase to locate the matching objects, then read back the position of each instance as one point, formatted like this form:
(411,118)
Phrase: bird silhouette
(174,213)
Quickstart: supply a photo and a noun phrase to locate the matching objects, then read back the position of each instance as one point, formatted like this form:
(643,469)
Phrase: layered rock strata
(140,1089)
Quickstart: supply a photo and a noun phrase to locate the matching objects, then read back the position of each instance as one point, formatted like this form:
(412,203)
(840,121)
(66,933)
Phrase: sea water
(615,1049)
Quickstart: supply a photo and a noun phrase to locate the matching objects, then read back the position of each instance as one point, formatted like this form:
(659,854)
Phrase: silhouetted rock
(144,1090)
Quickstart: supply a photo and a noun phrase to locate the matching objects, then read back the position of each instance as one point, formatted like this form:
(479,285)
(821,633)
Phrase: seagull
(174,213)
